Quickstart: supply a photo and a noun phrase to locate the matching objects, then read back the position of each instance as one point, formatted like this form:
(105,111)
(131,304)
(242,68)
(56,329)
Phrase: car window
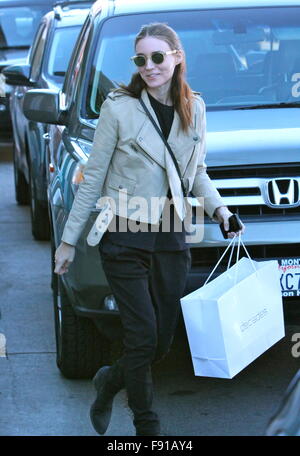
(234,57)
(61,49)
(19,24)
(73,71)
(36,41)
(38,52)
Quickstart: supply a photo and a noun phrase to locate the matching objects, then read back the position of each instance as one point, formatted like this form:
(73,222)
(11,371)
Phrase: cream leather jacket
(129,161)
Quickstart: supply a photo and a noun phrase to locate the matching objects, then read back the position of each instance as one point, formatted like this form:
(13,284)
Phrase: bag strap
(232,245)
(240,242)
(166,144)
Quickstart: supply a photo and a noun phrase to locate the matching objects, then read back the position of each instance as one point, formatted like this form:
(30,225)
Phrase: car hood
(12,57)
(253,136)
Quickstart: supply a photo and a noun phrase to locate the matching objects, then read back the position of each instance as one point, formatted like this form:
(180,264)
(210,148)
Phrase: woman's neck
(161,94)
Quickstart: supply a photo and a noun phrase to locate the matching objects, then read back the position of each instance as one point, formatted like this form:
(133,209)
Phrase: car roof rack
(60,4)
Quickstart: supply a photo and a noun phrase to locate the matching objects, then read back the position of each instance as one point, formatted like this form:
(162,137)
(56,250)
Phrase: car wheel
(21,186)
(80,349)
(39,215)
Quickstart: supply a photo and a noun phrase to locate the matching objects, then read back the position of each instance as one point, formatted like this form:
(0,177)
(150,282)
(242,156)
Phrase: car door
(18,118)
(63,154)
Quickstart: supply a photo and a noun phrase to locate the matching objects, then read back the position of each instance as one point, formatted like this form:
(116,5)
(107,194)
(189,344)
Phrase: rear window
(235,57)
(19,24)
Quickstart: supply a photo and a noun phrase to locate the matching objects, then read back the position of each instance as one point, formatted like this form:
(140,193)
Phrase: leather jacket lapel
(147,138)
(182,144)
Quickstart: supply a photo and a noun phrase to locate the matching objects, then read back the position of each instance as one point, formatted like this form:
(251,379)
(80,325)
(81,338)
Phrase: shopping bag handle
(240,242)
(232,245)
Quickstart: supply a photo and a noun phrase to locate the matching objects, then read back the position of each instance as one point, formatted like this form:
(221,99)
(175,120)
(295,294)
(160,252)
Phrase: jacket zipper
(139,150)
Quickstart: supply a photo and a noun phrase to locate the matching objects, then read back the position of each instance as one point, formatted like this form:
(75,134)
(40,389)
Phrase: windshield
(61,50)
(19,24)
(235,57)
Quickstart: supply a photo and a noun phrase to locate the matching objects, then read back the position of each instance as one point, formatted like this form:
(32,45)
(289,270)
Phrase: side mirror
(18,75)
(44,105)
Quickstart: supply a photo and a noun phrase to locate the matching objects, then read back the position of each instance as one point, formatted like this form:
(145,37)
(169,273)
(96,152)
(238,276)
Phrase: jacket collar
(150,141)
(176,121)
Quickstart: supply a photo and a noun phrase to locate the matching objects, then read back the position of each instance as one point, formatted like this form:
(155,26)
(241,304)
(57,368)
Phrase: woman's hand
(223,213)
(64,256)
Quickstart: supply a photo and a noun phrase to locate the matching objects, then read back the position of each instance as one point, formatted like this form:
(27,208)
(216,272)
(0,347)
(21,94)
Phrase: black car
(19,20)
(242,57)
(45,68)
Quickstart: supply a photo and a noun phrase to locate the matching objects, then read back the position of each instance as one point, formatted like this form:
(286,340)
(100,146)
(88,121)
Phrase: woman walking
(146,268)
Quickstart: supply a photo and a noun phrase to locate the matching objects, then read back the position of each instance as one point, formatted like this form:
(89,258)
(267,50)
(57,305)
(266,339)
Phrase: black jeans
(147,287)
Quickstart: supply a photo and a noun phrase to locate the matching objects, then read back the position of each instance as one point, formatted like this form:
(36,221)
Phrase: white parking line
(2,346)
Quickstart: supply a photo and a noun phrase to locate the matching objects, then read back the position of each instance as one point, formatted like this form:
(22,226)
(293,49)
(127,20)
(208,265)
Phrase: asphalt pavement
(36,400)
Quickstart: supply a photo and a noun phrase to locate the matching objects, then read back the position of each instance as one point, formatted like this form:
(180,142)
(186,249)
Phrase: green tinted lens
(139,60)
(157,57)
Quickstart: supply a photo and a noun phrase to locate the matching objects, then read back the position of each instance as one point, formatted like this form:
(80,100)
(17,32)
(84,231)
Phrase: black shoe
(149,431)
(100,411)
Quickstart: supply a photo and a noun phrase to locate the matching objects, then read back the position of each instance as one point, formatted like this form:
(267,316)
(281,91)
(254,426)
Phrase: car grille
(245,190)
(209,256)
(259,170)
(260,210)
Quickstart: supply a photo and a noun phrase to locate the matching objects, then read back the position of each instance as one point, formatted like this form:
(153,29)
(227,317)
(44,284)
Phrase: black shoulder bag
(185,193)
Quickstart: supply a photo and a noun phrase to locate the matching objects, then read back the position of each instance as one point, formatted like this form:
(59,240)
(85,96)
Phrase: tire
(80,349)
(21,186)
(40,225)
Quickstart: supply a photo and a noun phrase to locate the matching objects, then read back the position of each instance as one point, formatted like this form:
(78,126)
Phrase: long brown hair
(181,93)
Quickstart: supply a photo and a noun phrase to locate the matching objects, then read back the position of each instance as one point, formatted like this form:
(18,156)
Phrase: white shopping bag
(235,318)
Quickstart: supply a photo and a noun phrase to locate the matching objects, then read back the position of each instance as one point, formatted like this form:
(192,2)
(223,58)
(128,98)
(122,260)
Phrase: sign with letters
(290,276)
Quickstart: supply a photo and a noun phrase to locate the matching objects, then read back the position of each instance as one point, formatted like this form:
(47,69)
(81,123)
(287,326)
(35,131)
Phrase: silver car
(244,59)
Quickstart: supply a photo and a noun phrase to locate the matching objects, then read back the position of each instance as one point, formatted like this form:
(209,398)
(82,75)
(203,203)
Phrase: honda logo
(283,192)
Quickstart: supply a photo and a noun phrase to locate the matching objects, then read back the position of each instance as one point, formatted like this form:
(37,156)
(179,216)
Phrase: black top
(159,240)
(164,113)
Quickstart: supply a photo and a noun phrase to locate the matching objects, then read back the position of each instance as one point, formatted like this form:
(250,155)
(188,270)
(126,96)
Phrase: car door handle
(46,137)
(20,95)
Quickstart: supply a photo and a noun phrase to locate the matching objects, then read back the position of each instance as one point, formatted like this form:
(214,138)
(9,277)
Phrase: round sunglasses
(157,57)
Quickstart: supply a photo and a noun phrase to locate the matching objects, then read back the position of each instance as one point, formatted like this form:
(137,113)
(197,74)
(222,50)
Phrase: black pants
(147,287)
